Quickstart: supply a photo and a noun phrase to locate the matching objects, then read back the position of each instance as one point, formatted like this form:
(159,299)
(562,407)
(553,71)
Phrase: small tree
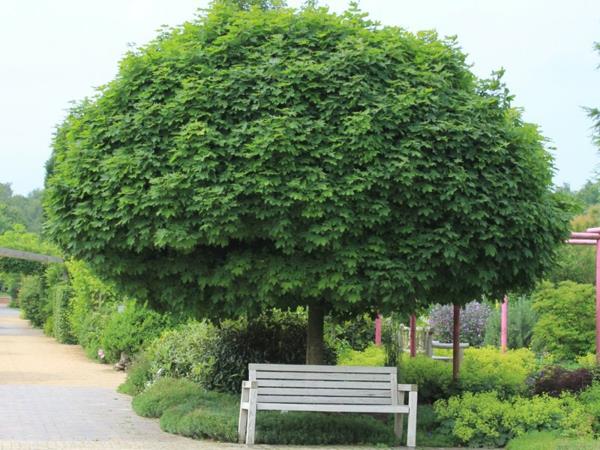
(277,157)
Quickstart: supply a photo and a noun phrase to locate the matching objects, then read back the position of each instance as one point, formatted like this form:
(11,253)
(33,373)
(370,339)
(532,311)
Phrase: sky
(56,52)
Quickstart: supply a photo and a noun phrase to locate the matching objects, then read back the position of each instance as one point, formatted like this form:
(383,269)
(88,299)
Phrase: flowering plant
(473,319)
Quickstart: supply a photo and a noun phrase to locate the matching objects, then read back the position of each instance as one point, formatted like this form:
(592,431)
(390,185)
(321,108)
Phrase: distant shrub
(482,419)
(488,369)
(565,327)
(555,380)
(139,375)
(521,320)
(60,296)
(186,351)
(356,334)
(128,330)
(32,300)
(372,355)
(473,319)
(433,377)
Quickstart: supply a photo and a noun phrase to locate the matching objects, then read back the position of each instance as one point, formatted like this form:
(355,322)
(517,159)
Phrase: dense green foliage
(31,300)
(217,356)
(257,158)
(521,320)
(434,378)
(566,312)
(551,440)
(484,420)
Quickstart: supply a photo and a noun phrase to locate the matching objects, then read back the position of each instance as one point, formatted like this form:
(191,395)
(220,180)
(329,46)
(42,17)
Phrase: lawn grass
(185,408)
(547,440)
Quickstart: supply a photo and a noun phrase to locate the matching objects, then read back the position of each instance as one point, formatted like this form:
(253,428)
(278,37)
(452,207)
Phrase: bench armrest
(408,387)
(249,385)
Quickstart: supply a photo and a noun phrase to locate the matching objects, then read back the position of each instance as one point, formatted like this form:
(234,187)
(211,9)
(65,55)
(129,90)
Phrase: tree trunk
(456,343)
(314,340)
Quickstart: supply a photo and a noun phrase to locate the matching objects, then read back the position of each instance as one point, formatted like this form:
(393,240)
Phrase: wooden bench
(283,387)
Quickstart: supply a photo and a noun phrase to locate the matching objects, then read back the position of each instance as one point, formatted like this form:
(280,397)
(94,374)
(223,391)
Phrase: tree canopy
(276,157)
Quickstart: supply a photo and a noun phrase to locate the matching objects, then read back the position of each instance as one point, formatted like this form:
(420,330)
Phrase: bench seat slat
(260,375)
(322,369)
(324,392)
(307,384)
(320,400)
(333,408)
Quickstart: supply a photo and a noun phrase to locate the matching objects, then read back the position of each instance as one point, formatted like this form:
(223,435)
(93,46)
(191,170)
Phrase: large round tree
(262,157)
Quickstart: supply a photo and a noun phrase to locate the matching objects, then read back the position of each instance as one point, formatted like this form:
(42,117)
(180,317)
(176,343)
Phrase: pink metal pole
(413,336)
(378,330)
(582,241)
(504,325)
(588,235)
(598,303)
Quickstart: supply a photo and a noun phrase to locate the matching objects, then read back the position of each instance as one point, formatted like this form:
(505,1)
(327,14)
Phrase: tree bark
(314,340)
(456,343)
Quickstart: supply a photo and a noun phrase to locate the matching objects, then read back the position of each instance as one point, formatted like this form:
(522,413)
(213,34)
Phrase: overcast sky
(54,52)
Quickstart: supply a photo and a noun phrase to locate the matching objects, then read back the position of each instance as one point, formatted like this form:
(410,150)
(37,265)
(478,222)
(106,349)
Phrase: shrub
(128,330)
(555,380)
(372,355)
(60,296)
(139,375)
(279,337)
(356,334)
(187,409)
(32,300)
(473,319)
(590,398)
(184,352)
(566,325)
(433,377)
(482,419)
(521,320)
(488,369)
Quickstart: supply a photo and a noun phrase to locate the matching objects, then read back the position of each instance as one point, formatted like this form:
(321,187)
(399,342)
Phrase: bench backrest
(324,385)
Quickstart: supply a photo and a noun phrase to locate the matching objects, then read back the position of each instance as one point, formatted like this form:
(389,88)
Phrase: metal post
(504,325)
(413,335)
(378,330)
(456,343)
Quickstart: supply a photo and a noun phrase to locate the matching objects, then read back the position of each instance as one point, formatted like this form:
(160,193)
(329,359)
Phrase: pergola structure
(592,237)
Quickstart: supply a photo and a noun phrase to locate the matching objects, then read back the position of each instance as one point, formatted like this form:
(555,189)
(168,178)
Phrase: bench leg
(411,435)
(243,420)
(251,416)
(399,418)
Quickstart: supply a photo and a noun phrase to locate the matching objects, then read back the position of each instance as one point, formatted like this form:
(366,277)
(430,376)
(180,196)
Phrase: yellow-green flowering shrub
(483,419)
(488,369)
(373,355)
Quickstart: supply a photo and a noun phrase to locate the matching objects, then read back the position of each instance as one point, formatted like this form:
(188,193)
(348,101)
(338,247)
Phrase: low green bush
(591,401)
(483,419)
(433,377)
(488,369)
(551,440)
(139,375)
(356,334)
(187,409)
(129,328)
(565,327)
(60,300)
(32,300)
(372,355)
(184,352)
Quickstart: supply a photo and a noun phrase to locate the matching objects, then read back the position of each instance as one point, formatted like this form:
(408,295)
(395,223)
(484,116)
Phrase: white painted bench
(286,387)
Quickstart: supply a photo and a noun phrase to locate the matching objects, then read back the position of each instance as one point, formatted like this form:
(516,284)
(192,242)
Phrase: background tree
(259,158)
